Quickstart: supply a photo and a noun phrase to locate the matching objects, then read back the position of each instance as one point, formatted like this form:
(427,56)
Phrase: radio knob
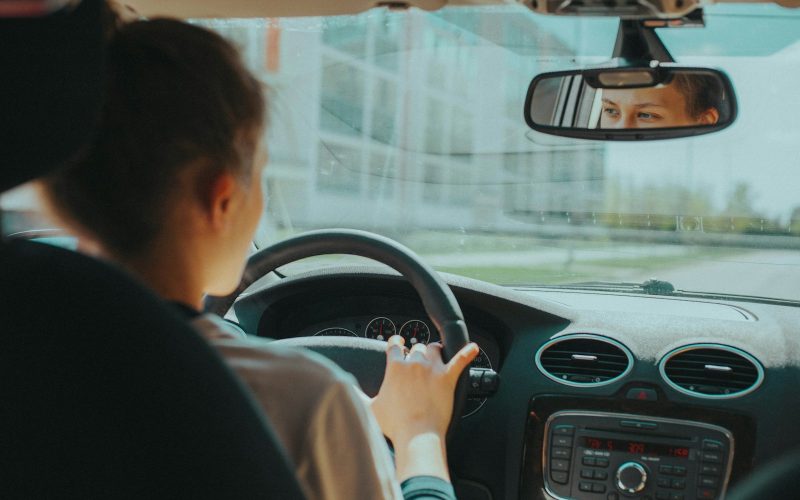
(631,477)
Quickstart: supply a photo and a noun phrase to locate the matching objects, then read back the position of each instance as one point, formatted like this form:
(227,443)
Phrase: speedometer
(415,332)
(380,328)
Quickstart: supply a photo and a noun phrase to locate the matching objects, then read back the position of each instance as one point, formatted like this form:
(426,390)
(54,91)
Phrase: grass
(592,270)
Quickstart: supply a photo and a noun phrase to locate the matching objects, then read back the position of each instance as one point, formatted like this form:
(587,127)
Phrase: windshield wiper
(667,289)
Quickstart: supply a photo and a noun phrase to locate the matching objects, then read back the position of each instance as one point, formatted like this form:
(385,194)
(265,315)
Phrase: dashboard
(662,397)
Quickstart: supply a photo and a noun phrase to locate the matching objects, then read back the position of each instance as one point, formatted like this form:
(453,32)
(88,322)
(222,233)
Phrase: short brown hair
(176,95)
(701,91)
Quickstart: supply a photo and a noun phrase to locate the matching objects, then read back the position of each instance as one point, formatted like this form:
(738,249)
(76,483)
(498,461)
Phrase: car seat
(104,391)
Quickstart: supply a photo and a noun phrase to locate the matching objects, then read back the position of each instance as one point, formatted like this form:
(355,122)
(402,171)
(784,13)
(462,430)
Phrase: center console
(614,456)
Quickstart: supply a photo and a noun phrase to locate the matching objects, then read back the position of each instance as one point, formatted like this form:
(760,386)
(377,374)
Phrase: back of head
(177,95)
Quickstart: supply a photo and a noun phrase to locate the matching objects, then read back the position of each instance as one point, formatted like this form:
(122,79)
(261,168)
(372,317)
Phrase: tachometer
(473,404)
(380,328)
(481,361)
(335,332)
(415,332)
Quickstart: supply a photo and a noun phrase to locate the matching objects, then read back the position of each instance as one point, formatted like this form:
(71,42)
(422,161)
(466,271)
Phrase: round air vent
(584,360)
(711,371)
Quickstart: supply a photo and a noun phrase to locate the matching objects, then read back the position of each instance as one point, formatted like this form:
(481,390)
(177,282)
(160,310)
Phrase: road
(761,273)
(769,274)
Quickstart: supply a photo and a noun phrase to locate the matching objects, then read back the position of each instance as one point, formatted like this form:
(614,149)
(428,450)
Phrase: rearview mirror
(632,103)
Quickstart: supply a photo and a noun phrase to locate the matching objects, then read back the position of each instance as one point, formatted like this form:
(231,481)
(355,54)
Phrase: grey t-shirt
(318,414)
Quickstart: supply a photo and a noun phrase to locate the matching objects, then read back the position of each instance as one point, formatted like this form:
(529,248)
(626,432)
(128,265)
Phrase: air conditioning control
(631,477)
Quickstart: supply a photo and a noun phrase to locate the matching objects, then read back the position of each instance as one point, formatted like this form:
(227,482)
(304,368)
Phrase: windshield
(410,124)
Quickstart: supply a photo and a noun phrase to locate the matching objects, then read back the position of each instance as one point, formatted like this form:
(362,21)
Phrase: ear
(219,202)
(709,117)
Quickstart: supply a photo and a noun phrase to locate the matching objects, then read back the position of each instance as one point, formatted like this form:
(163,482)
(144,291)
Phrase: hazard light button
(642,394)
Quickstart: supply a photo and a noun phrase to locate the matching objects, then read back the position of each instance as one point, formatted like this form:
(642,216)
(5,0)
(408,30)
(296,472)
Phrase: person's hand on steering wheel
(415,404)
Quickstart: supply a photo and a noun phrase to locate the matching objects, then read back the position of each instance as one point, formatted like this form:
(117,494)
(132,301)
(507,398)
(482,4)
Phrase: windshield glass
(410,124)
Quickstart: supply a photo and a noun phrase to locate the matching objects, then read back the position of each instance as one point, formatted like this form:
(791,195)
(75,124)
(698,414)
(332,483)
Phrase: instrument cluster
(415,331)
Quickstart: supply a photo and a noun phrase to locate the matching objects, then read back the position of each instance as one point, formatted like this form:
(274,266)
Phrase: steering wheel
(364,358)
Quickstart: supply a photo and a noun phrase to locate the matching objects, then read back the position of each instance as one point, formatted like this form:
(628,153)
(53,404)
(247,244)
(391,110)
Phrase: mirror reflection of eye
(612,112)
(644,115)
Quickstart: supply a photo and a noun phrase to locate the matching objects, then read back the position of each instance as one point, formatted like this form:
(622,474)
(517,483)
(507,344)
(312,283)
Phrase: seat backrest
(104,392)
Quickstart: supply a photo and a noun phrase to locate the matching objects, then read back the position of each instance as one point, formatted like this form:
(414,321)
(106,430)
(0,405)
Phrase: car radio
(611,456)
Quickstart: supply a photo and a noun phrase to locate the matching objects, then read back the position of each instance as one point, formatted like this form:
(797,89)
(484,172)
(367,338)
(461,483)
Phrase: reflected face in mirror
(681,103)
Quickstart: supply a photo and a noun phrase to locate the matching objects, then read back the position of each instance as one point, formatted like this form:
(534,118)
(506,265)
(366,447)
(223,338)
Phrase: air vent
(711,371)
(584,360)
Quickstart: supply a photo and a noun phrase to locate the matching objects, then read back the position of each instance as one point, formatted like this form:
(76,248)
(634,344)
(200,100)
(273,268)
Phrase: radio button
(600,475)
(562,441)
(678,484)
(631,477)
(601,462)
(598,488)
(665,469)
(559,476)
(711,457)
(587,474)
(679,470)
(662,495)
(676,496)
(709,469)
(560,452)
(707,481)
(712,445)
(561,465)
(584,486)
(663,482)
(641,394)
(564,430)
(590,461)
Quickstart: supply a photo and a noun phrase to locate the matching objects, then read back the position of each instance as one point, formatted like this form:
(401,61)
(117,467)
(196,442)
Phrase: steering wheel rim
(438,300)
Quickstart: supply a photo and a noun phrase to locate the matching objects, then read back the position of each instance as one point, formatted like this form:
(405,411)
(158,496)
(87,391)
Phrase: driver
(170,190)
(688,100)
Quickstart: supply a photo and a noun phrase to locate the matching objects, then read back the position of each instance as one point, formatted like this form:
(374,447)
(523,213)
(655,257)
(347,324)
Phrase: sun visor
(50,92)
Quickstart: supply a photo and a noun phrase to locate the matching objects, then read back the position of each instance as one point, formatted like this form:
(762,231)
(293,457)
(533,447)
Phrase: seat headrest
(51,89)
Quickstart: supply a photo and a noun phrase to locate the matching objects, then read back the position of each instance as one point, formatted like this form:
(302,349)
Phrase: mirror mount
(638,44)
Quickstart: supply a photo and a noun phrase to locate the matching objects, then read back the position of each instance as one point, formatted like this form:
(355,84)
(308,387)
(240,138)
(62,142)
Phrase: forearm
(421,454)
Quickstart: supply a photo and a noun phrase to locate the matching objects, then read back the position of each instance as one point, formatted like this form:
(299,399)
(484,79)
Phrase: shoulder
(255,354)
(262,363)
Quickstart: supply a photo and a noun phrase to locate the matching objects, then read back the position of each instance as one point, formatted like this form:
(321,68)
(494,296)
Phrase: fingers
(462,358)
(434,353)
(431,353)
(418,353)
(395,348)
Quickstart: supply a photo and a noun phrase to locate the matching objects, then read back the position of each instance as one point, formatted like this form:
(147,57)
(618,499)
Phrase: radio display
(637,447)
